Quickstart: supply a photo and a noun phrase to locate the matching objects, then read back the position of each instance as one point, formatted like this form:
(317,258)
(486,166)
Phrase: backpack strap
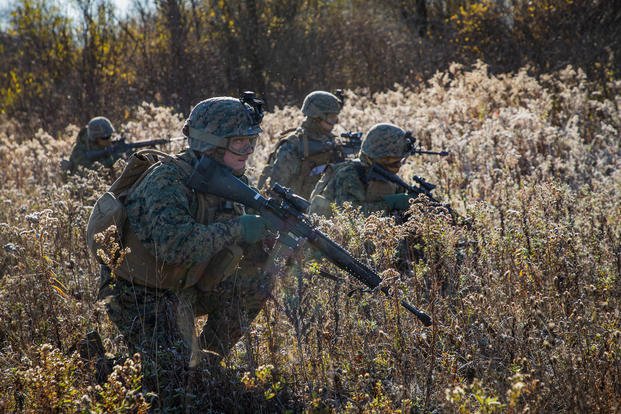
(157,157)
(304,146)
(184,165)
(152,151)
(362,171)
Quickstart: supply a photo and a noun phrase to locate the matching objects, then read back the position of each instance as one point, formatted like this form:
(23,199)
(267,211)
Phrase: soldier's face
(237,153)
(103,141)
(328,124)
(392,164)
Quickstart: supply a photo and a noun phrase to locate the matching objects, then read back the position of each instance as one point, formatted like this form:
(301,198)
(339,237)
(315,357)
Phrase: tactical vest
(314,157)
(141,267)
(325,191)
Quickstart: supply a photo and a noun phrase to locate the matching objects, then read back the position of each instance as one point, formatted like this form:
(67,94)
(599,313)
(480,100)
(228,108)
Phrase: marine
(350,181)
(300,158)
(94,145)
(191,254)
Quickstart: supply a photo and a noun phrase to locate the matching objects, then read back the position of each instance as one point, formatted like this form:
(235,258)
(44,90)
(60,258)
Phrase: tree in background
(36,67)
(58,69)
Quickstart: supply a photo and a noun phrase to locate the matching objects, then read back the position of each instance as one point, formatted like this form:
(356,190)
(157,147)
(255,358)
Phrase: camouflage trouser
(160,324)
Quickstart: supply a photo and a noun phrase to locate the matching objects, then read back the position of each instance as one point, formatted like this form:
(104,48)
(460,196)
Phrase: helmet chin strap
(218,155)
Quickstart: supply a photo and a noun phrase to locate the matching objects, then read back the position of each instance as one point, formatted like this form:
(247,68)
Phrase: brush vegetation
(525,299)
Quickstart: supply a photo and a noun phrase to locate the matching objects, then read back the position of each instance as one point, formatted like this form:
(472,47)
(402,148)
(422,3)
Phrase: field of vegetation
(525,299)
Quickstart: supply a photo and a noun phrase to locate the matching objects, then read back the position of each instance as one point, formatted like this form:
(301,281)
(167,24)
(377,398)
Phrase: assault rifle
(124,146)
(351,146)
(121,146)
(286,216)
(380,173)
(413,149)
(424,187)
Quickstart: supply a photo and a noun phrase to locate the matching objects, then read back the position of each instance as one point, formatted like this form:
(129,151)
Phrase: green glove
(397,201)
(317,255)
(253,228)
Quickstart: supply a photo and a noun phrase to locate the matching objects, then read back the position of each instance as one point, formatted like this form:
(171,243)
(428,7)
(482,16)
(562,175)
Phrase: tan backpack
(109,209)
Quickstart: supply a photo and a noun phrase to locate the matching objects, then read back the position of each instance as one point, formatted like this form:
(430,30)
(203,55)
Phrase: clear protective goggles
(242,145)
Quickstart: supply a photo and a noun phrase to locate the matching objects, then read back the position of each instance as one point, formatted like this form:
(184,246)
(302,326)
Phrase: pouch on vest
(221,266)
(376,190)
(267,170)
(320,206)
(141,267)
(323,195)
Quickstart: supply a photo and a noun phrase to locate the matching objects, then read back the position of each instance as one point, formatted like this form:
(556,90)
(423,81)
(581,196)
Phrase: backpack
(109,209)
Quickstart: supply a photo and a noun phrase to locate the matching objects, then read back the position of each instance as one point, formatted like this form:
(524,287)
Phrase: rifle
(285,215)
(122,145)
(380,173)
(417,150)
(424,187)
(351,146)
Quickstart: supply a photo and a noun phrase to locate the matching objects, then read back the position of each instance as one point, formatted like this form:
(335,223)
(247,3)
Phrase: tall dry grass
(525,299)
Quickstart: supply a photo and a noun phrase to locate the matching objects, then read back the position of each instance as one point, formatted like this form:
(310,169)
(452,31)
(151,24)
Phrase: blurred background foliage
(61,65)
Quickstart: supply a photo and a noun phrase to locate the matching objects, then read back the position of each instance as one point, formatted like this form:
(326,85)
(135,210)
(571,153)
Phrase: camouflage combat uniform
(351,180)
(162,213)
(83,148)
(179,227)
(301,158)
(87,151)
(348,182)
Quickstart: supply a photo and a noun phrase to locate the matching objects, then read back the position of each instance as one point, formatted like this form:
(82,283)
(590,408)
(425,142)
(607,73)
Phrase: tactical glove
(253,228)
(397,201)
(317,256)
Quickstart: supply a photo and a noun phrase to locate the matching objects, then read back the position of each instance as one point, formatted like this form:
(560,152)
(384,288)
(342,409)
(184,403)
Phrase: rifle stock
(285,217)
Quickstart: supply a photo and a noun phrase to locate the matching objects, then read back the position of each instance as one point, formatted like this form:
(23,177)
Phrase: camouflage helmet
(99,127)
(319,104)
(385,140)
(213,121)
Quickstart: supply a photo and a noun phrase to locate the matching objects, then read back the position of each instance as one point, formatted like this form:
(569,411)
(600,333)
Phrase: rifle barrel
(149,143)
(440,153)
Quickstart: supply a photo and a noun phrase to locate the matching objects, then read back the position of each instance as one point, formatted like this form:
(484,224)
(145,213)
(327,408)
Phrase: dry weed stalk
(526,299)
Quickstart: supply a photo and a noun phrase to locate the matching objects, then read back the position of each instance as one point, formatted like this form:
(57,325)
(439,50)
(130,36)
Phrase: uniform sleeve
(349,188)
(286,164)
(159,213)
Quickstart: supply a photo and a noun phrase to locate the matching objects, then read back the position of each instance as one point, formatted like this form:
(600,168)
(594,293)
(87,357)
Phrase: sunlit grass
(525,299)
